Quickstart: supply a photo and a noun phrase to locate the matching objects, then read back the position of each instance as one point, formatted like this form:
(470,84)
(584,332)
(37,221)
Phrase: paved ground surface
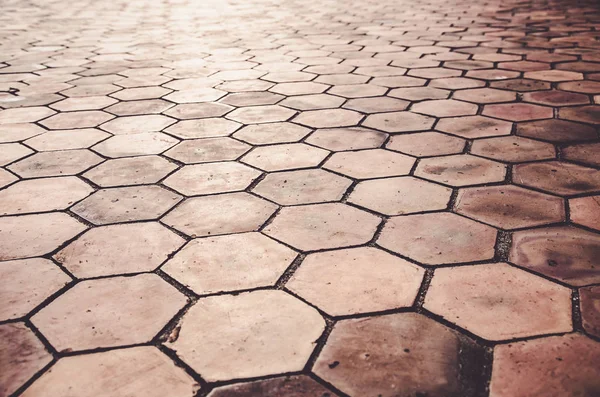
(292,198)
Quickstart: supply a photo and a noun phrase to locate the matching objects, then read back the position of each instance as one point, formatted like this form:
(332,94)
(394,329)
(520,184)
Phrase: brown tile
(340,139)
(499,302)
(399,122)
(289,386)
(207,150)
(590,309)
(364,164)
(557,177)
(247,335)
(135,144)
(220,214)
(518,112)
(585,114)
(554,366)
(556,131)
(356,280)
(112,372)
(376,104)
(474,126)
(313,102)
(485,95)
(439,238)
(200,179)
(398,196)
(321,226)
(394,355)
(424,144)
(68,162)
(562,253)
(302,187)
(460,170)
(554,75)
(445,108)
(109,312)
(285,157)
(119,249)
(556,98)
(264,134)
(513,149)
(419,93)
(328,118)
(229,263)
(20,359)
(586,211)
(130,171)
(585,153)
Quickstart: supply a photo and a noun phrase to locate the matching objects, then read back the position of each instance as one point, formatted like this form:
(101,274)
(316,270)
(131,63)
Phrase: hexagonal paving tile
(119,249)
(353,138)
(220,214)
(424,144)
(109,312)
(34,235)
(198,110)
(302,187)
(229,176)
(556,98)
(32,281)
(356,280)
(264,134)
(21,359)
(135,145)
(590,309)
(510,207)
(394,355)
(126,204)
(111,372)
(399,122)
(207,150)
(518,111)
(83,119)
(24,115)
(64,162)
(461,170)
(499,302)
(587,153)
(445,108)
(248,335)
(130,171)
(313,102)
(397,196)
(203,128)
(584,114)
(563,253)
(474,126)
(40,195)
(10,152)
(513,149)
(439,238)
(289,386)
(19,131)
(373,163)
(556,131)
(586,211)
(557,177)
(261,114)
(554,366)
(328,118)
(67,139)
(229,263)
(321,226)
(485,95)
(285,157)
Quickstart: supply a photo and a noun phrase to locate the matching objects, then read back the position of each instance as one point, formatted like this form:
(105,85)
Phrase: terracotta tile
(302,187)
(109,312)
(425,144)
(499,302)
(137,124)
(24,115)
(518,112)
(445,108)
(460,170)
(474,126)
(289,76)
(513,149)
(584,87)
(133,94)
(67,139)
(376,105)
(135,145)
(399,122)
(229,263)
(557,177)
(585,114)
(340,139)
(342,79)
(203,128)
(439,238)
(590,309)
(485,95)
(21,359)
(563,253)
(553,366)
(456,83)
(261,114)
(111,372)
(119,249)
(328,118)
(10,152)
(248,335)
(90,90)
(586,211)
(321,226)
(200,179)
(313,102)
(198,110)
(556,131)
(298,88)
(6,178)
(556,98)
(289,386)
(207,150)
(401,81)
(130,171)
(285,157)
(364,164)
(419,93)
(264,134)
(220,214)
(19,132)
(356,280)
(392,355)
(89,103)
(132,108)
(193,95)
(433,73)
(68,162)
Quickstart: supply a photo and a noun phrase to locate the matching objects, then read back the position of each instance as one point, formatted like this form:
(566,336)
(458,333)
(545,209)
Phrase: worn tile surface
(286,198)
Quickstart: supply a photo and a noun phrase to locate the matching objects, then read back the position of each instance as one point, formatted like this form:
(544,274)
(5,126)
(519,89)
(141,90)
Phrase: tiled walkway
(286,198)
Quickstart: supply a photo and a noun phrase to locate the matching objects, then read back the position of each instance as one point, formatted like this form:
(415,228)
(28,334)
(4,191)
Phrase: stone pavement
(292,198)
